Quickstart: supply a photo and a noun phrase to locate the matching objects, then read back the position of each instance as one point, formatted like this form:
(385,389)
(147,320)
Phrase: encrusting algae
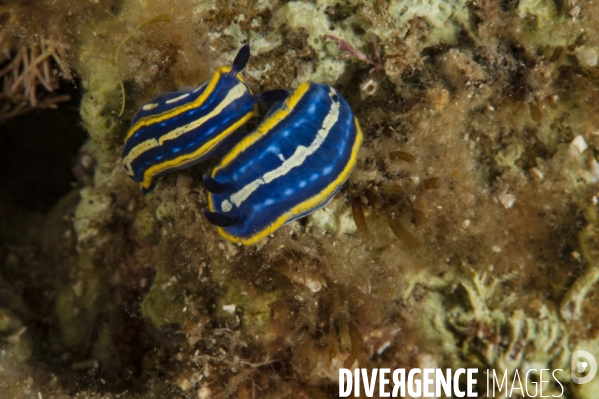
(465,237)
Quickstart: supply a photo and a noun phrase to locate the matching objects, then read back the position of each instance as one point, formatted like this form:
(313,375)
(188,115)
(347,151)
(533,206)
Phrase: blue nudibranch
(292,165)
(179,129)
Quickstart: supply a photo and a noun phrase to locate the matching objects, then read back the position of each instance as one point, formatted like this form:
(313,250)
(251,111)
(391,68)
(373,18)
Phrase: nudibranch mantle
(179,129)
(290,166)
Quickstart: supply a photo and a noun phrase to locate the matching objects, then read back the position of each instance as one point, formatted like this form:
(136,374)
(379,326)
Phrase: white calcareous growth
(587,57)
(507,200)
(578,145)
(368,88)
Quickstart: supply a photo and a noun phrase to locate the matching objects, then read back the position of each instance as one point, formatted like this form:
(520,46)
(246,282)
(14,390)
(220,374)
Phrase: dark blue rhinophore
(179,129)
(293,164)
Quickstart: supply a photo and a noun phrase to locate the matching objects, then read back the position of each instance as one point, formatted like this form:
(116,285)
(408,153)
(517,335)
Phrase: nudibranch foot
(293,164)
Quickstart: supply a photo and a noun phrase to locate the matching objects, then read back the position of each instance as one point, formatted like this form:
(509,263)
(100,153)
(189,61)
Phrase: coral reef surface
(467,235)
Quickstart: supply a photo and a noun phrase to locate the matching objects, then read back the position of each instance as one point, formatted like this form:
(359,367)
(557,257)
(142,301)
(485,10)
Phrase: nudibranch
(179,129)
(293,164)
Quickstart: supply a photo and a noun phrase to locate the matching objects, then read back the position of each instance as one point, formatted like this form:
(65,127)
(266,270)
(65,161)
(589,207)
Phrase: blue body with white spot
(177,130)
(293,164)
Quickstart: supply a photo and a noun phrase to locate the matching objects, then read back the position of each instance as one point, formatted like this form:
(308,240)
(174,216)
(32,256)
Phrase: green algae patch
(164,304)
(543,24)
(99,105)
(166,210)
(508,157)
(251,311)
(446,19)
(15,339)
(145,224)
(79,302)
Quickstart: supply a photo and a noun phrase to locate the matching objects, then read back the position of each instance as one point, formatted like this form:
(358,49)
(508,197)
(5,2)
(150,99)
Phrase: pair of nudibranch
(291,165)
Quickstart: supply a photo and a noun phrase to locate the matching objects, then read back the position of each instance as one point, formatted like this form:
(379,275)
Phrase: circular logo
(582,362)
